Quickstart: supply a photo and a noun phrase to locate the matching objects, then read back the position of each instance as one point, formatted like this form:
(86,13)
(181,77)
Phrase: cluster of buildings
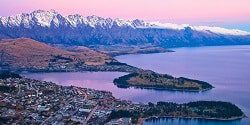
(27,101)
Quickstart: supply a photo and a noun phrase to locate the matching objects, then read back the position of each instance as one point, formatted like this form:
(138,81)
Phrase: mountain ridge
(53,17)
(24,54)
(54,28)
(40,53)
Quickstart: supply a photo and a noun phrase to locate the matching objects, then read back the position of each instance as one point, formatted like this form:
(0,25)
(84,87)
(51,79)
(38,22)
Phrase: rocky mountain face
(54,28)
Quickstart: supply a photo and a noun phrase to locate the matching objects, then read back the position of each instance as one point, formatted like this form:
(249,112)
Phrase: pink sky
(179,11)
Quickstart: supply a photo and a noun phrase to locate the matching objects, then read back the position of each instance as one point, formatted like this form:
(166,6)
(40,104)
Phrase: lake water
(227,68)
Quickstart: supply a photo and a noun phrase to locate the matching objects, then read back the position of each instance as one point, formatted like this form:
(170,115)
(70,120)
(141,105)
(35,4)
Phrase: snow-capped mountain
(77,29)
(53,18)
(213,29)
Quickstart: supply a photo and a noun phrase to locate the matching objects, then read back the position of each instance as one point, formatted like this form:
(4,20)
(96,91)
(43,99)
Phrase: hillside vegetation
(152,80)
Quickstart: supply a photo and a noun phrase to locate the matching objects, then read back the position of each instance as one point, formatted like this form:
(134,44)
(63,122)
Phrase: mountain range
(54,28)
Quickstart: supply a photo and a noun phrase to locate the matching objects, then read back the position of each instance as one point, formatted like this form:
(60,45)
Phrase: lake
(227,68)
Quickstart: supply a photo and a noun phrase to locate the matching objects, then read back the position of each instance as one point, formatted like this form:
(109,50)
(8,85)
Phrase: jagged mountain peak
(52,18)
(44,11)
(27,20)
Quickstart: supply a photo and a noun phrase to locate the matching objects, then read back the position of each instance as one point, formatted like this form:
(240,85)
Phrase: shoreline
(140,122)
(172,49)
(138,53)
(168,89)
(101,68)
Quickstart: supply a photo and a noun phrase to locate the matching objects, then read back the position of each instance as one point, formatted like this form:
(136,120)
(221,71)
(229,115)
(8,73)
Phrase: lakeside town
(124,62)
(35,102)
(28,101)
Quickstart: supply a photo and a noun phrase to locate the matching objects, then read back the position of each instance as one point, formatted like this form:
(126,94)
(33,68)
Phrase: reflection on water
(184,121)
(226,68)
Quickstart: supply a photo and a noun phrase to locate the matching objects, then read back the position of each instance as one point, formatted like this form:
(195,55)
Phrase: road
(19,90)
(90,115)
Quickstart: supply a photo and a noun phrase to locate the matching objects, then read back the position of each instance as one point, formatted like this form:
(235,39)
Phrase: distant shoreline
(184,117)
(138,53)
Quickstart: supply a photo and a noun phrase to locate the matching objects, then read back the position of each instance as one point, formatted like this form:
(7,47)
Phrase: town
(35,102)
(28,101)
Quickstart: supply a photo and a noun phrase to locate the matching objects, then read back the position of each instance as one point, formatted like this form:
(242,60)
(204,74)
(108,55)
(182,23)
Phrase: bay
(227,68)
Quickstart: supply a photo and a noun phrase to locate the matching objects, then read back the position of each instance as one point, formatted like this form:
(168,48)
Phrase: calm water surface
(227,68)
